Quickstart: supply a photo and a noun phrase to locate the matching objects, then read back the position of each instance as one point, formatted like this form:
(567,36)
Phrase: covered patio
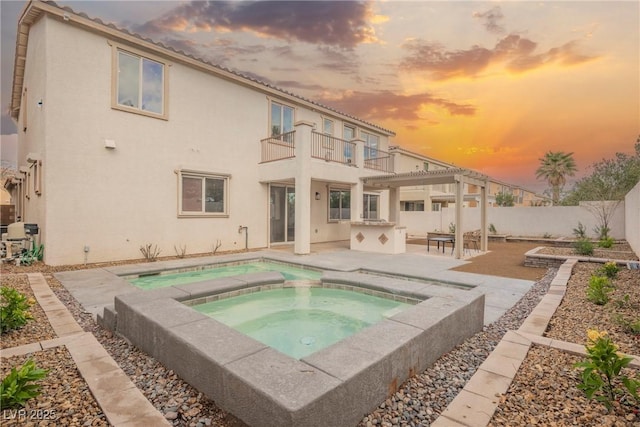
(457,176)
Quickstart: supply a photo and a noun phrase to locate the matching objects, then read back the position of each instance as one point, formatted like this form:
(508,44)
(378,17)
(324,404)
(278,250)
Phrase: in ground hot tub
(336,385)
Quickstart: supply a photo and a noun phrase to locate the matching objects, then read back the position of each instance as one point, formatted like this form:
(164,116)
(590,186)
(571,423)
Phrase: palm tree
(554,166)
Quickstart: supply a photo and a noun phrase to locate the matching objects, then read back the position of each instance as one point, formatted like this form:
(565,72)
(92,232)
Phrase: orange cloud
(386,105)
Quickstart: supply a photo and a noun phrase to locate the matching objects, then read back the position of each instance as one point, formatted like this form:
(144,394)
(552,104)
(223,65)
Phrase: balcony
(327,148)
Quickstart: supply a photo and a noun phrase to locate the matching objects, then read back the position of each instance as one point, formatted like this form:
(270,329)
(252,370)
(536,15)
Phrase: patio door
(282,205)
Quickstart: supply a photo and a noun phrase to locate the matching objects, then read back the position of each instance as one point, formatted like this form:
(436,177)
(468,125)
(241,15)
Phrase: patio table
(442,240)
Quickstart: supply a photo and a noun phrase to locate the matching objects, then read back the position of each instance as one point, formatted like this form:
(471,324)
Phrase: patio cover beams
(458,176)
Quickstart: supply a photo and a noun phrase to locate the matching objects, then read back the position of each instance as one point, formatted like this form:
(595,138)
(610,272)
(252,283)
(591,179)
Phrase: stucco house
(125,142)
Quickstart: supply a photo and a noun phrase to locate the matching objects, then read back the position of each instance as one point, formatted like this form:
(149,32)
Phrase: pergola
(458,176)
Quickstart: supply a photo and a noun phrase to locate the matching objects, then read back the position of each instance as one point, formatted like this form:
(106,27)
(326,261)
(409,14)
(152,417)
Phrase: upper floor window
(327,126)
(348,133)
(281,119)
(140,84)
(203,194)
(371,145)
(425,166)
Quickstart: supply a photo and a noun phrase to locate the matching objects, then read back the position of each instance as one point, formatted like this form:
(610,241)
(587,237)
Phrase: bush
(580,232)
(584,247)
(610,269)
(14,309)
(452,227)
(606,242)
(601,371)
(17,387)
(599,290)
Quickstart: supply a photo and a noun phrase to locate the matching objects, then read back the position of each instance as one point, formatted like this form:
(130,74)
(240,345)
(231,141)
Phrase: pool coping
(334,386)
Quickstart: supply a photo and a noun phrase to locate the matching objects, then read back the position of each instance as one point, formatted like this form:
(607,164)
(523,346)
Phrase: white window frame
(185,173)
(116,49)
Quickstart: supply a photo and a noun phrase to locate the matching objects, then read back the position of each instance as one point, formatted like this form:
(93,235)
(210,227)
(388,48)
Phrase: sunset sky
(490,86)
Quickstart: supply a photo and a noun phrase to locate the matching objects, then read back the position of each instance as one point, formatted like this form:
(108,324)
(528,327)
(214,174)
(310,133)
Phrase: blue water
(162,280)
(301,320)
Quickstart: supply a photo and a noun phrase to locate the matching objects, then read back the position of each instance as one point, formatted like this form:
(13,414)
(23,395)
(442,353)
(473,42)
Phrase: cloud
(345,23)
(491,19)
(515,53)
(388,105)
(338,60)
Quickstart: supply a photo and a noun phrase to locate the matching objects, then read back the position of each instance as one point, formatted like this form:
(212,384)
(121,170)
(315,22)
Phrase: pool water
(299,321)
(162,280)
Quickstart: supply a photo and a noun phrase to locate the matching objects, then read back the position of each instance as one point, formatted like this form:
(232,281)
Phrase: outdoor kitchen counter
(378,236)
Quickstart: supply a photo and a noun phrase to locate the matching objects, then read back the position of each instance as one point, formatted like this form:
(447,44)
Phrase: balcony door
(282,209)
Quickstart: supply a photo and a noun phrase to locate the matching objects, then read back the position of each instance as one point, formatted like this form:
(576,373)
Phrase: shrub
(599,290)
(580,232)
(452,227)
(602,232)
(584,247)
(630,326)
(601,372)
(610,269)
(18,387)
(14,309)
(150,252)
(492,229)
(606,242)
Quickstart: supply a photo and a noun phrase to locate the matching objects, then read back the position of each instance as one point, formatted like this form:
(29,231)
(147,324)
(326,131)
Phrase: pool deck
(96,289)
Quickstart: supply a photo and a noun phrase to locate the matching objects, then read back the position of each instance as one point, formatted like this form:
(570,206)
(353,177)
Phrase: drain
(307,340)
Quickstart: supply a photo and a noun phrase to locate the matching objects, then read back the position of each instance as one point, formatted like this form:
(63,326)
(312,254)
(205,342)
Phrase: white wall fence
(557,221)
(632,218)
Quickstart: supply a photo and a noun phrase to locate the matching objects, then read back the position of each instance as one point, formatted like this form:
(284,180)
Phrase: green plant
(18,387)
(580,232)
(546,236)
(601,372)
(610,269)
(630,326)
(150,252)
(14,309)
(606,242)
(452,227)
(492,229)
(599,290)
(583,247)
(621,303)
(602,231)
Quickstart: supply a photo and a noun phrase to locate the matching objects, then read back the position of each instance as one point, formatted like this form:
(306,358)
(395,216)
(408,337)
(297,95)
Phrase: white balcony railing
(325,147)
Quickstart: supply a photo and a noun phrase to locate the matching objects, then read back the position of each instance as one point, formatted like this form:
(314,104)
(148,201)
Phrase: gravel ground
(65,398)
(418,402)
(36,330)
(619,251)
(545,391)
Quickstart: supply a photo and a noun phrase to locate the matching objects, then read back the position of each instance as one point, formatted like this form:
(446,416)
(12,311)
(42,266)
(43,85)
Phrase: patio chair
(469,239)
